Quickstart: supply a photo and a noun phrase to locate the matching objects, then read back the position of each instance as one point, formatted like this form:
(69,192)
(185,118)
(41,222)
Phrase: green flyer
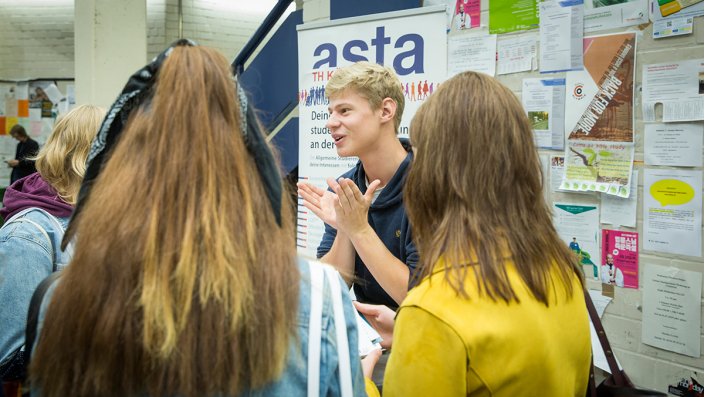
(512,15)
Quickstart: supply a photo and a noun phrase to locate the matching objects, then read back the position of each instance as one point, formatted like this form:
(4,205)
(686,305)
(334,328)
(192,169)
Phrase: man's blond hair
(372,81)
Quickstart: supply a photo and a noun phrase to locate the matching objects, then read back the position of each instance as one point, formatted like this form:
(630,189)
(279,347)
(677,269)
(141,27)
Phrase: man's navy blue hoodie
(388,219)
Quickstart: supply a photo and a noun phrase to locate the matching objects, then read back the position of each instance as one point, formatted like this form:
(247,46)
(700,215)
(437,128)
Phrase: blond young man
(367,236)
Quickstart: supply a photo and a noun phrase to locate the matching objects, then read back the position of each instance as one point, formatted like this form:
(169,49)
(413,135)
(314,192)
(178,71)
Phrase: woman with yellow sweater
(499,309)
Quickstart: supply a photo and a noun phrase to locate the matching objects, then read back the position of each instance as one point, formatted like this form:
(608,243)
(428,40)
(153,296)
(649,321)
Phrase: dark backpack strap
(33,314)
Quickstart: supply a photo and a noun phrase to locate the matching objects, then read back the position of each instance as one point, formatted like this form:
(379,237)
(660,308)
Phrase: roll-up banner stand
(413,42)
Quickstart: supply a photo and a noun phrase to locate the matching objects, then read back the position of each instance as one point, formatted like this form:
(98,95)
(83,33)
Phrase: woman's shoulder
(34,219)
(33,226)
(435,295)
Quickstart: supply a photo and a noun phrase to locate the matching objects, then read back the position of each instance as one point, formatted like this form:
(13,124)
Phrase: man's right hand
(319,201)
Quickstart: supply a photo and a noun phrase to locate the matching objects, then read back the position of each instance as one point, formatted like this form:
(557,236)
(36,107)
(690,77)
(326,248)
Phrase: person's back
(184,280)
(23,164)
(504,349)
(36,210)
(499,310)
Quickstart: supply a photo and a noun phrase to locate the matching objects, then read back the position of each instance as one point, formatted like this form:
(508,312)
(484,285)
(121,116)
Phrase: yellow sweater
(445,345)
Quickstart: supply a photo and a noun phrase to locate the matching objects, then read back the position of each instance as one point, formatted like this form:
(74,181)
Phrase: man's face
(17,137)
(610,259)
(355,127)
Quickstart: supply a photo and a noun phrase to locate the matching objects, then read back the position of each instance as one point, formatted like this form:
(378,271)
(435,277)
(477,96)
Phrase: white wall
(37,36)
(36,39)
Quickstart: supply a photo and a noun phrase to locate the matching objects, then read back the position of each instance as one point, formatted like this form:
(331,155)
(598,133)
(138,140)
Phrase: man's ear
(389,110)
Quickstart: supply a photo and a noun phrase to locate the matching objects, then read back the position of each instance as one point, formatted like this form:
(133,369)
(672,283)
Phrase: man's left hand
(352,206)
(13,163)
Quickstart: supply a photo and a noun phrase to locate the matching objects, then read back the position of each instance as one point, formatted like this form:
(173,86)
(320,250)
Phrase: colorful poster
(667,10)
(39,99)
(686,388)
(598,166)
(673,211)
(620,258)
(579,227)
(599,119)
(413,44)
(467,14)
(512,15)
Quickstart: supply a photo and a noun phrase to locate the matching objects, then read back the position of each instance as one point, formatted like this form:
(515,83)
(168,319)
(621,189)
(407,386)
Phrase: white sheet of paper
(544,103)
(673,211)
(35,114)
(472,52)
(53,93)
(22,90)
(7,152)
(368,338)
(675,144)
(671,309)
(516,53)
(10,106)
(545,181)
(7,148)
(618,211)
(561,32)
(71,94)
(598,354)
(678,86)
(631,13)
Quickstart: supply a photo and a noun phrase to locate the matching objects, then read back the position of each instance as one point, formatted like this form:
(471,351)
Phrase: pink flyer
(620,258)
(467,14)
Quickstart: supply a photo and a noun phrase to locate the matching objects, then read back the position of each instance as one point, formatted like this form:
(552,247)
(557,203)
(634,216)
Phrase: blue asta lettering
(356,50)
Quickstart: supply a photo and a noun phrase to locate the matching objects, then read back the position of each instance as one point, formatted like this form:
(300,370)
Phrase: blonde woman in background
(36,210)
(499,310)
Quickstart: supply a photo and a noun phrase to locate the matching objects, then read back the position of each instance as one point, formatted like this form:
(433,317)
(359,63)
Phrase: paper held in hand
(368,338)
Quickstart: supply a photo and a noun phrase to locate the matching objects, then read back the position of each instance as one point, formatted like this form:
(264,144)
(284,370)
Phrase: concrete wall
(37,36)
(36,39)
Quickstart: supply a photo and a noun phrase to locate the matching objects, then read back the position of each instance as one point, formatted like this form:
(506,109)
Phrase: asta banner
(413,42)
(599,119)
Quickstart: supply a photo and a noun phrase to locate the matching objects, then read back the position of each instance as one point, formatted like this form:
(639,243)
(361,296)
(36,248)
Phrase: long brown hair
(474,193)
(182,283)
